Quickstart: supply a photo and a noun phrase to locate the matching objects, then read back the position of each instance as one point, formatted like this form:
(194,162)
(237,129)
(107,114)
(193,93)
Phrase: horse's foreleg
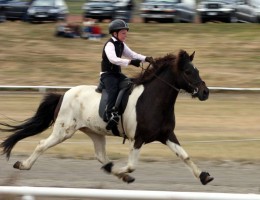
(58,135)
(122,173)
(180,152)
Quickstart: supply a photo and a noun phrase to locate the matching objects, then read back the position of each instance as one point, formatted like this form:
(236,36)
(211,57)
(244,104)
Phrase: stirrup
(113,121)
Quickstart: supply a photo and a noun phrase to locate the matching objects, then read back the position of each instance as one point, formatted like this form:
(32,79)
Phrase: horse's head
(189,78)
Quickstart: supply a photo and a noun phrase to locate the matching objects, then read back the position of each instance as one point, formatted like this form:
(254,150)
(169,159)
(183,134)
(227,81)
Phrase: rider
(111,74)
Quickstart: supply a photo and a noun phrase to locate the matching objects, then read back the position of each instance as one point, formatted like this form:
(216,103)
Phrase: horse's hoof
(108,167)
(128,179)
(205,178)
(17,165)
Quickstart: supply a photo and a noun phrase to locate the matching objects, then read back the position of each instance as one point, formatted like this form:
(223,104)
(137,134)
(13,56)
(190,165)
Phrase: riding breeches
(111,82)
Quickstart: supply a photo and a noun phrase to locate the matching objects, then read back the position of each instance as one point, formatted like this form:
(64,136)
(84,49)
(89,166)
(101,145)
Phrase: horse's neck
(162,90)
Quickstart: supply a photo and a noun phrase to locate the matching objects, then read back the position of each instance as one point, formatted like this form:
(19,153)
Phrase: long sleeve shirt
(127,53)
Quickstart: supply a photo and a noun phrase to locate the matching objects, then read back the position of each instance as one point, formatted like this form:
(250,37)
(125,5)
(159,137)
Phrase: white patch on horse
(185,157)
(129,116)
(177,149)
(132,160)
(86,106)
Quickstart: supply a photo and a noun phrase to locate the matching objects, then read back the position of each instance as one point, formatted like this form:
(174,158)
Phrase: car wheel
(2,18)
(203,20)
(258,19)
(176,19)
(30,20)
(146,20)
(233,19)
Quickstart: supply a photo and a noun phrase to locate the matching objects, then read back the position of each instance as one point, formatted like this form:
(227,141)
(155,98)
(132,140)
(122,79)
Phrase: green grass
(226,54)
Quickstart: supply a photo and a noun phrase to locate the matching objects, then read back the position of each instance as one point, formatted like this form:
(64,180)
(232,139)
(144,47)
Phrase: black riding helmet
(117,25)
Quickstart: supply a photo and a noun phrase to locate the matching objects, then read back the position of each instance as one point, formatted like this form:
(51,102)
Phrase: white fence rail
(29,193)
(42,88)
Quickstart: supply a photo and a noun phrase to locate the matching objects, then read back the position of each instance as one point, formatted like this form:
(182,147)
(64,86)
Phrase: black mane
(157,67)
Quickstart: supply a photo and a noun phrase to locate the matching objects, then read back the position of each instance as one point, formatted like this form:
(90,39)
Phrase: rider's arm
(131,54)
(112,57)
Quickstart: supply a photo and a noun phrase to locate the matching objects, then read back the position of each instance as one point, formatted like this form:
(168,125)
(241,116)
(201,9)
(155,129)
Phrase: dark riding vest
(106,65)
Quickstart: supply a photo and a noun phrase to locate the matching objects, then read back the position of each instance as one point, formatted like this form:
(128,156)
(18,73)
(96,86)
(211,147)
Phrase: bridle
(170,85)
(192,85)
(195,91)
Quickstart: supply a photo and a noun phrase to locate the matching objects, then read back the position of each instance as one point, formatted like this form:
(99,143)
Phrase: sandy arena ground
(230,177)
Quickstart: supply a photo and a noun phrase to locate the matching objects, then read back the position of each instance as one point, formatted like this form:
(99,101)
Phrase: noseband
(192,85)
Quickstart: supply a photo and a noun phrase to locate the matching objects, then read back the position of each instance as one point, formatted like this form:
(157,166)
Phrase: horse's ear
(182,58)
(192,56)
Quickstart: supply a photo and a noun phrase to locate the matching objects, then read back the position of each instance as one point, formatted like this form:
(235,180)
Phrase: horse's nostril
(205,93)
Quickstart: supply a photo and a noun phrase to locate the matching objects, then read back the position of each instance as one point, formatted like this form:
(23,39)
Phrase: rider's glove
(135,62)
(149,59)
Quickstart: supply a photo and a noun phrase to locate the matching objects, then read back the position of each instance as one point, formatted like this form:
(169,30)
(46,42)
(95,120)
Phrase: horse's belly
(82,104)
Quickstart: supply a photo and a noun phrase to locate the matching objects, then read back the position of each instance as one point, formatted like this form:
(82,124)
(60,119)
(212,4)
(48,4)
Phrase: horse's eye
(188,72)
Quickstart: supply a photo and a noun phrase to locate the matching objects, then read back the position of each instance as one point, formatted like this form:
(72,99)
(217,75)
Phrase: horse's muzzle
(202,92)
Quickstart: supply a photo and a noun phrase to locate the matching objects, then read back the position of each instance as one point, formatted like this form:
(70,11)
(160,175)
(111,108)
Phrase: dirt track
(230,177)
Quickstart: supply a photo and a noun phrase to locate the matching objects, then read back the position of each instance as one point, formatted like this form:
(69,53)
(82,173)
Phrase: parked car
(124,10)
(108,9)
(186,11)
(168,10)
(15,9)
(47,10)
(248,11)
(2,8)
(216,10)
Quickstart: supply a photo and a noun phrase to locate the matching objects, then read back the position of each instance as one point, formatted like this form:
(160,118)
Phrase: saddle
(125,89)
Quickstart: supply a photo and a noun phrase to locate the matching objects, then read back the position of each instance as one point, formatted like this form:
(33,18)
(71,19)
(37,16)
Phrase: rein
(196,89)
(170,85)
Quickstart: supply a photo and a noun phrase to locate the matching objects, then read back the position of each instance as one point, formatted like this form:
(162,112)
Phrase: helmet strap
(115,34)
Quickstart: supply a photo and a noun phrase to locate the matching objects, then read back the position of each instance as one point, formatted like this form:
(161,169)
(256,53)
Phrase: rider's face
(122,34)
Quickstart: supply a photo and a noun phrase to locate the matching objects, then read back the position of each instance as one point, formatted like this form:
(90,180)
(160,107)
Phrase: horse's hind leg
(100,151)
(99,142)
(174,145)
(58,135)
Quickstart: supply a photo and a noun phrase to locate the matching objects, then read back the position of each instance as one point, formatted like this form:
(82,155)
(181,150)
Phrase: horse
(148,117)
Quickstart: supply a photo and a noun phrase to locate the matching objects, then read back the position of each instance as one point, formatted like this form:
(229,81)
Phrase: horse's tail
(42,119)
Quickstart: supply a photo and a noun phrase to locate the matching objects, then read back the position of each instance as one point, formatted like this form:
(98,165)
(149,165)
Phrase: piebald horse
(149,116)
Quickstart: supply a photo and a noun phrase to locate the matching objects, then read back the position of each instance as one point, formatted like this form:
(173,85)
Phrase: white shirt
(128,53)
